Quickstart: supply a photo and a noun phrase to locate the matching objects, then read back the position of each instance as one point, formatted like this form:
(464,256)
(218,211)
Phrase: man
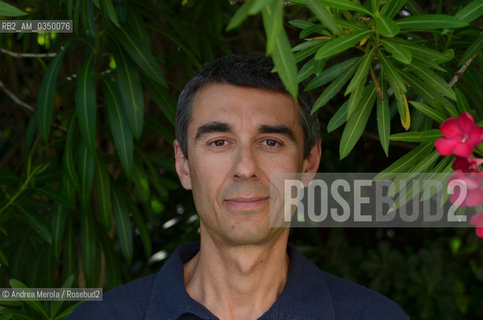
(236,125)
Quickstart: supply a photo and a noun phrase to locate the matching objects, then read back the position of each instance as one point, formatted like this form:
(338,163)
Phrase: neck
(237,282)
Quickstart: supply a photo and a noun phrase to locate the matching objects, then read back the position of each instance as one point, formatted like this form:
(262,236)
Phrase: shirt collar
(305,293)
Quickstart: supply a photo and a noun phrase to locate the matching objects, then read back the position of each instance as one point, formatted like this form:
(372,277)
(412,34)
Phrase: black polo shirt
(309,293)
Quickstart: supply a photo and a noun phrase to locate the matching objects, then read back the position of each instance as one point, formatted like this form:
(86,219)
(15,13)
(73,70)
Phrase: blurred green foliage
(88,192)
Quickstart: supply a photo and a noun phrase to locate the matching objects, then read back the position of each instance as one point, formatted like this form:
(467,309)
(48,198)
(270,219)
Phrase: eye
(218,143)
(271,142)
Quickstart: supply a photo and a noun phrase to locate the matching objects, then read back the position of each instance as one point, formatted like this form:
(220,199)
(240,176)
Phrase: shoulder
(353,301)
(334,297)
(126,302)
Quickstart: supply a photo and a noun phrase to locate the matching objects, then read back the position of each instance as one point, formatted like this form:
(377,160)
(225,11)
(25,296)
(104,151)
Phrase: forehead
(235,104)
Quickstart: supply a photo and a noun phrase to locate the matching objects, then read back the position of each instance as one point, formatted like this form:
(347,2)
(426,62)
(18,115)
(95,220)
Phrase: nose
(245,164)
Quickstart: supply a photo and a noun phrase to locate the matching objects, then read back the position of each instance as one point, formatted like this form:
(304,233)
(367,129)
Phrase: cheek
(282,163)
(208,177)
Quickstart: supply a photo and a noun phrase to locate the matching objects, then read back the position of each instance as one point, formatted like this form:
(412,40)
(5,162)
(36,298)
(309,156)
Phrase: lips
(247,203)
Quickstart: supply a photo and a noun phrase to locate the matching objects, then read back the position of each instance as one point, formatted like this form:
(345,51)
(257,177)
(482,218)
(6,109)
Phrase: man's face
(237,137)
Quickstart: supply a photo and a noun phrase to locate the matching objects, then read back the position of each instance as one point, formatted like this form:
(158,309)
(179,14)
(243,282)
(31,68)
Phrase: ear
(182,166)
(311,163)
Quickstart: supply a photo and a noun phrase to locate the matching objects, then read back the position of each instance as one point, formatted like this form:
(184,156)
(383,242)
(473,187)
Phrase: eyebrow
(215,126)
(279,129)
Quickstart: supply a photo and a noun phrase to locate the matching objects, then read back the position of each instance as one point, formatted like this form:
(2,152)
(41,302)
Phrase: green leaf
(433,80)
(121,131)
(344,24)
(35,223)
(143,231)
(163,100)
(360,76)
(338,119)
(472,50)
(55,305)
(113,273)
(308,45)
(57,226)
(123,225)
(68,159)
(471,12)
(354,100)
(462,102)
(430,22)
(375,6)
(33,304)
(68,311)
(384,121)
(139,52)
(88,18)
(85,103)
(103,193)
(430,95)
(357,122)
(427,161)
(67,188)
(273,24)
(391,8)
(340,44)
(7,10)
(284,61)
(407,161)
(108,8)
(330,74)
(90,254)
(333,88)
(86,174)
(46,101)
(398,52)
(14,314)
(3,258)
(69,257)
(306,71)
(323,15)
(241,14)
(8,177)
(140,180)
(55,196)
(31,132)
(444,166)
(301,24)
(417,136)
(318,31)
(307,51)
(428,111)
(345,5)
(392,73)
(131,92)
(420,51)
(386,26)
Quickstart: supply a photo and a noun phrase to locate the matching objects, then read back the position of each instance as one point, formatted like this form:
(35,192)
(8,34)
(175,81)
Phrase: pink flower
(461,136)
(477,220)
(474,190)
(467,164)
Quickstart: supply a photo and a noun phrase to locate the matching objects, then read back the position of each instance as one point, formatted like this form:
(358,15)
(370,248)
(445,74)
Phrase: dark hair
(246,70)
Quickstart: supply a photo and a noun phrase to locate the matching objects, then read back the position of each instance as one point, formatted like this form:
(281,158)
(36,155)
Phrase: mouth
(246,203)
